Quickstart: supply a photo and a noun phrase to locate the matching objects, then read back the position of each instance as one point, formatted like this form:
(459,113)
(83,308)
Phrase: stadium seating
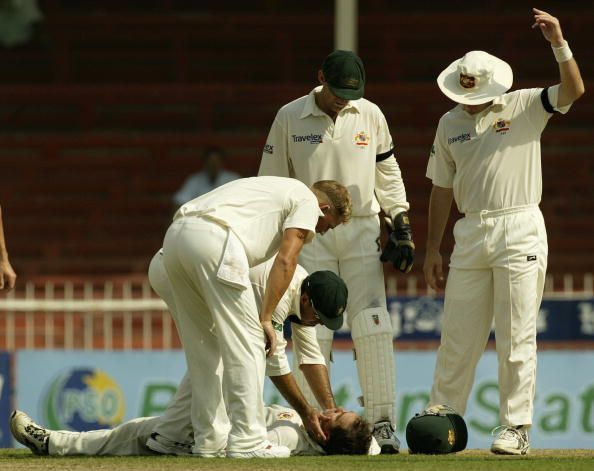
(103,116)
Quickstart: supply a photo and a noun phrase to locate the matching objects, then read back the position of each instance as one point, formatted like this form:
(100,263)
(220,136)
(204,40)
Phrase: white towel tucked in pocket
(234,269)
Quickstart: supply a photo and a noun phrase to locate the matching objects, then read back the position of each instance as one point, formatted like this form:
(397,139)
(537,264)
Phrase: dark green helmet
(437,430)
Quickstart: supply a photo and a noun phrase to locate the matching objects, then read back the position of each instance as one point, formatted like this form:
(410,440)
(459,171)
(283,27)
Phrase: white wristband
(563,53)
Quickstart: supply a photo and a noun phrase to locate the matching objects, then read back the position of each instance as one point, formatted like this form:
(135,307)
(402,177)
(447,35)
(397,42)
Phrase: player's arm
(389,187)
(287,386)
(391,195)
(7,274)
(571,86)
(319,382)
(313,365)
(279,278)
(440,204)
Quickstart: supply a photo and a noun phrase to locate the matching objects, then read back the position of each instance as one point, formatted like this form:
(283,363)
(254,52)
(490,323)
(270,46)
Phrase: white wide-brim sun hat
(476,78)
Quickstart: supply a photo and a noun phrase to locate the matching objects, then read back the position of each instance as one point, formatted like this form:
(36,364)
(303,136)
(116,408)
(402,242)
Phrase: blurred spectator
(212,176)
(7,274)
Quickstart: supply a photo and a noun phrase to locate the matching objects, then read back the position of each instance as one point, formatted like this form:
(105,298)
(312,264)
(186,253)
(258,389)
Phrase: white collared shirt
(492,159)
(355,150)
(285,428)
(258,210)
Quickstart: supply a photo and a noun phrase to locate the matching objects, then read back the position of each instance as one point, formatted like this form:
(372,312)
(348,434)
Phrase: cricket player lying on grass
(346,432)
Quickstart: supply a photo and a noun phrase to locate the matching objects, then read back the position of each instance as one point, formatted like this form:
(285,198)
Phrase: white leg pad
(372,334)
(324,336)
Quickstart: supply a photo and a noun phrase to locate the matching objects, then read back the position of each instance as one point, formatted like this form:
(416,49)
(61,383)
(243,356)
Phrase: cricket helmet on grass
(437,430)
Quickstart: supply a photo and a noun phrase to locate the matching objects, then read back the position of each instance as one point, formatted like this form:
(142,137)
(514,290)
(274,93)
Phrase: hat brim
(333,323)
(347,93)
(449,83)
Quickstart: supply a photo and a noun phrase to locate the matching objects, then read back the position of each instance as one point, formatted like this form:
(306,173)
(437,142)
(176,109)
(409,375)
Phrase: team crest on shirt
(284,416)
(501,125)
(361,139)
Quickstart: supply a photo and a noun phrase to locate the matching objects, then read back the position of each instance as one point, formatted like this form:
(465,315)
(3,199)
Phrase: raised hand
(549,26)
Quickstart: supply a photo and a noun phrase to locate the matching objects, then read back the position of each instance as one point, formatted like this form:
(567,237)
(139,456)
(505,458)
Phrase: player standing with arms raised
(486,156)
(335,133)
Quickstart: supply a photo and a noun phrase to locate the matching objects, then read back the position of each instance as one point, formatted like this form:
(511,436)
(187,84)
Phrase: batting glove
(400,248)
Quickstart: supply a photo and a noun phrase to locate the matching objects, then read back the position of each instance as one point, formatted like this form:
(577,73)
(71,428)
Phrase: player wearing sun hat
(486,157)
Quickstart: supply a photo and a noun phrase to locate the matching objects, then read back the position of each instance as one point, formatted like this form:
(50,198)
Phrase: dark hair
(354,440)
(213,150)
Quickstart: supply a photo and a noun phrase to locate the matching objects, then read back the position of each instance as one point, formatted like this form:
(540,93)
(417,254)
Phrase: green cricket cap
(345,74)
(328,294)
(437,430)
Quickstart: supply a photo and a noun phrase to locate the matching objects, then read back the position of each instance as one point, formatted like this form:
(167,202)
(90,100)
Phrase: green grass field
(12,459)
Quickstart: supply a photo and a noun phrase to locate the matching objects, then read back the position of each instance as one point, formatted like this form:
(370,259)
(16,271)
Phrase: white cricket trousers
(175,423)
(127,439)
(216,322)
(497,272)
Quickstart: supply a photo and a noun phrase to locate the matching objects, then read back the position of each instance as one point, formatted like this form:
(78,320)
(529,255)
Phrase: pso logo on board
(83,399)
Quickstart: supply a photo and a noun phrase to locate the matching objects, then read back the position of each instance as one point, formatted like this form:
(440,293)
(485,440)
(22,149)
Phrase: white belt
(486,213)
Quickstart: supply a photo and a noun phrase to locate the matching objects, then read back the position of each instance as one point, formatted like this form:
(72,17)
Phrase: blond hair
(337,196)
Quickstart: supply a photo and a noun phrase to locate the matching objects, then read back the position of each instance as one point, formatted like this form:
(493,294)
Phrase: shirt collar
(497,105)
(310,107)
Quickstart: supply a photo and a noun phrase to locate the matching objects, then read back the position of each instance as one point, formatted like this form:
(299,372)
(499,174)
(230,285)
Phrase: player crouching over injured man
(348,434)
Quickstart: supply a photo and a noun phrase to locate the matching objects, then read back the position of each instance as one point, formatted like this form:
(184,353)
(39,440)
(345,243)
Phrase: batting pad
(372,335)
(324,336)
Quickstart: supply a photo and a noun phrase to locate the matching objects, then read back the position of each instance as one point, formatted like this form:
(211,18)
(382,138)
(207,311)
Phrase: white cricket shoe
(165,446)
(511,441)
(383,432)
(28,433)
(268,450)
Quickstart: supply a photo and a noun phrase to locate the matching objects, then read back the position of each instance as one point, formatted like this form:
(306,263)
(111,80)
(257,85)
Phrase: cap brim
(449,83)
(333,323)
(347,93)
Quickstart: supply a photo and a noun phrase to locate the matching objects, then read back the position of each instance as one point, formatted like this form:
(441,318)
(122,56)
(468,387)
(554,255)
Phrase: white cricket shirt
(258,210)
(356,150)
(492,159)
(285,428)
(305,344)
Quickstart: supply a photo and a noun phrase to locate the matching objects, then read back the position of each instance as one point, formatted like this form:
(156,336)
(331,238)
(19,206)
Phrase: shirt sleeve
(553,96)
(389,187)
(441,167)
(305,346)
(535,103)
(304,212)
(275,157)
